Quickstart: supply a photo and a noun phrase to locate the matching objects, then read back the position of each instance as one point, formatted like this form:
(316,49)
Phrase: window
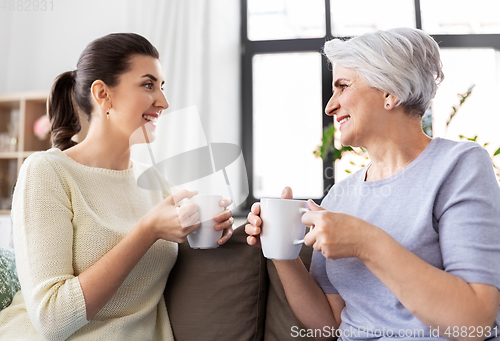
(277,19)
(480,114)
(352,18)
(286,99)
(286,82)
(460,16)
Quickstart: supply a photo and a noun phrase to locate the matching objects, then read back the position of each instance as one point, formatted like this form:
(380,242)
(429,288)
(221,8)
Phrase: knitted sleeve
(43,241)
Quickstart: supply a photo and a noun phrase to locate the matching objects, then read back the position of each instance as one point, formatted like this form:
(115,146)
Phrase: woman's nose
(332,106)
(161,101)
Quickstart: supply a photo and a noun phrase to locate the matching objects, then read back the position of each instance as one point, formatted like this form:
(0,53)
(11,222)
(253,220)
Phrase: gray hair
(404,62)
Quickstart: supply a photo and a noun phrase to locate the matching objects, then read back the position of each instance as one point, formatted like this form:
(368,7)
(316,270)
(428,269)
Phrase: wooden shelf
(9,155)
(18,113)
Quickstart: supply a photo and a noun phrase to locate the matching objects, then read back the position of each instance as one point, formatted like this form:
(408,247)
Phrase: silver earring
(387,105)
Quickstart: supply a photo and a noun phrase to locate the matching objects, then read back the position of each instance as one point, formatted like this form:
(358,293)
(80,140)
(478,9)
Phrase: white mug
(282,232)
(206,236)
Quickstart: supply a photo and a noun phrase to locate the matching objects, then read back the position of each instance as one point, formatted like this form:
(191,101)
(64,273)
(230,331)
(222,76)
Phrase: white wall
(4,39)
(37,46)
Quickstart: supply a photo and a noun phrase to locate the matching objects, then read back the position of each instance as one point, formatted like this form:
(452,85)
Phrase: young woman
(93,250)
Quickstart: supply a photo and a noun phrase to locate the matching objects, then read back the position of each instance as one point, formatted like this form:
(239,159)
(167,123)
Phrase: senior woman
(408,246)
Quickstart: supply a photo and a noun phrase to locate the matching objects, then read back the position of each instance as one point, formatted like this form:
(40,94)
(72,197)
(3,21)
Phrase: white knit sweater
(66,216)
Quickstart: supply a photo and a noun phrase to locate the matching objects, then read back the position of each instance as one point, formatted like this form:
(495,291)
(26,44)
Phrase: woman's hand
(170,221)
(253,229)
(337,235)
(225,221)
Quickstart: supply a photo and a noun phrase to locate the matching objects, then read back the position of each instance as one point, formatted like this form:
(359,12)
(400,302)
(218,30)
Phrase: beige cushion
(218,294)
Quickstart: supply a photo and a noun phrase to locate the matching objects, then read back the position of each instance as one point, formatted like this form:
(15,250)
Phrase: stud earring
(107,114)
(387,105)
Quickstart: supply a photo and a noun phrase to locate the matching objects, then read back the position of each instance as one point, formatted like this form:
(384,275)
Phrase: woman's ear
(389,101)
(100,93)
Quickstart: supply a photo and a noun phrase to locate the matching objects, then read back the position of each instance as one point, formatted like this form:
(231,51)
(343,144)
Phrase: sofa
(230,293)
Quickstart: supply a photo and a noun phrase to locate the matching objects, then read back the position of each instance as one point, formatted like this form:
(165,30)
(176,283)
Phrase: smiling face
(358,108)
(138,100)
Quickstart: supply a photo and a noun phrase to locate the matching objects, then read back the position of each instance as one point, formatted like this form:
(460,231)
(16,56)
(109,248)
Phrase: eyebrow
(153,78)
(337,82)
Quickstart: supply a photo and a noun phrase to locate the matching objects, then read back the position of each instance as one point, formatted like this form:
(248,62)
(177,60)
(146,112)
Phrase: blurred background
(253,69)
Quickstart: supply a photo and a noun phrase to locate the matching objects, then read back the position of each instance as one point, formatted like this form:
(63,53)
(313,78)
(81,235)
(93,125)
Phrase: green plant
(327,148)
(427,122)
(328,151)
(463,98)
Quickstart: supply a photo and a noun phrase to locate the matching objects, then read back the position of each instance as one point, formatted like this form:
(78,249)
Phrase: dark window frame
(251,48)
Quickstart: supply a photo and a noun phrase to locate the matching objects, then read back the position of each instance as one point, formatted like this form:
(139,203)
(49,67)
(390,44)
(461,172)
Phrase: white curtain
(198,41)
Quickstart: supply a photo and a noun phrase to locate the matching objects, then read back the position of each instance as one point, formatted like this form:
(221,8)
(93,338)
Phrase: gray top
(444,207)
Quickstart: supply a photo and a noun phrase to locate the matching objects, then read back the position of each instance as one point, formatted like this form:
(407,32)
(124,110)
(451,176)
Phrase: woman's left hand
(337,235)
(225,221)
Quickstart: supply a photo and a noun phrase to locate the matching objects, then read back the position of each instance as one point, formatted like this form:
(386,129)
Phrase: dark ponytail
(105,59)
(64,119)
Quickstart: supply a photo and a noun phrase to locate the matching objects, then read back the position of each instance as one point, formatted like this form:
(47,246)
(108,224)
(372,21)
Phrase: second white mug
(282,232)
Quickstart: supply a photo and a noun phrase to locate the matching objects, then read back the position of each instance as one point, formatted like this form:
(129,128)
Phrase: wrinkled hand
(336,235)
(253,228)
(225,221)
(172,222)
